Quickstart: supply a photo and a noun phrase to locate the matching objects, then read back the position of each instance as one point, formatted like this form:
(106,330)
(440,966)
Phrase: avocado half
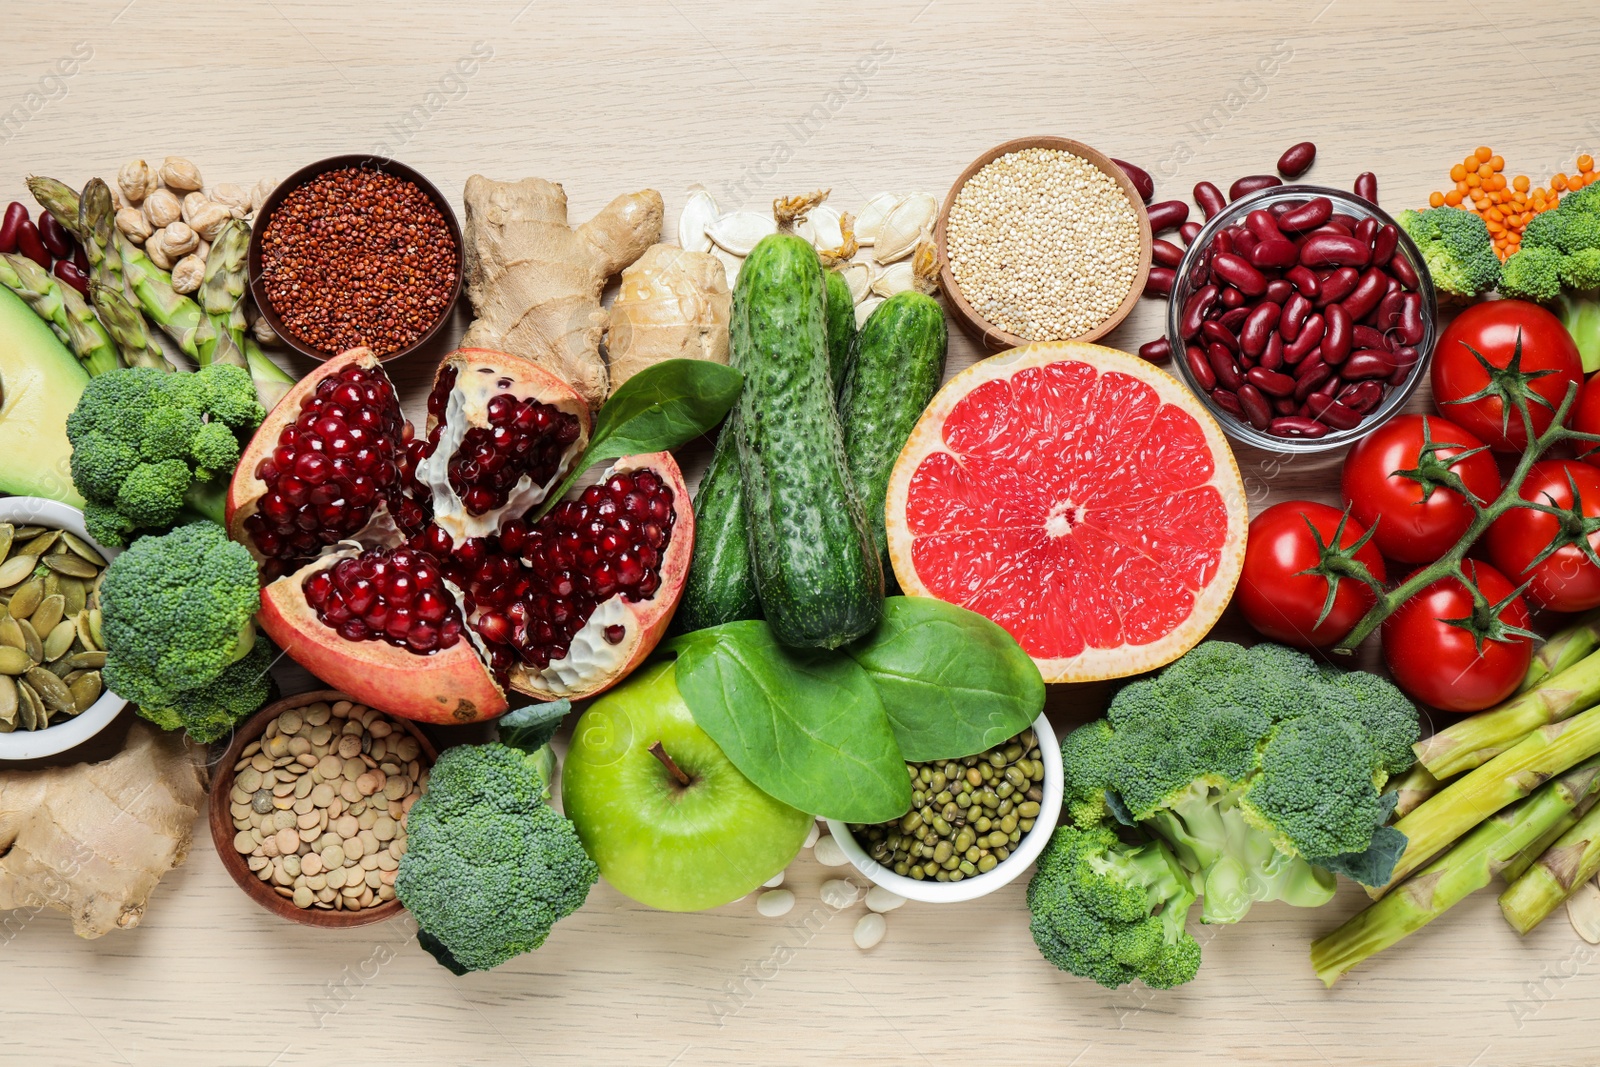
(40,383)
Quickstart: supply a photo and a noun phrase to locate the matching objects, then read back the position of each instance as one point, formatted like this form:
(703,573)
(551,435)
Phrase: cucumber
(721,587)
(841,327)
(895,369)
(816,572)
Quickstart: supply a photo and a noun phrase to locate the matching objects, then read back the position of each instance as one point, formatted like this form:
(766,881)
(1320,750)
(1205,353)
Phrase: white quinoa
(1043,244)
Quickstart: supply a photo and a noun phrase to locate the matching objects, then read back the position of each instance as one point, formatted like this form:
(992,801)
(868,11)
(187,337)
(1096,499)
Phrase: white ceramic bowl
(32,744)
(935,892)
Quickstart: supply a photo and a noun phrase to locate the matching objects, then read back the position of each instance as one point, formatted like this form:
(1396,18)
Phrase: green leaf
(806,726)
(532,727)
(952,682)
(657,410)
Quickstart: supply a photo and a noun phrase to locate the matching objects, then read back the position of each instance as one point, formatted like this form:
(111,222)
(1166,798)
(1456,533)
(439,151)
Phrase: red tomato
(1282,603)
(1441,664)
(1492,328)
(1409,527)
(1586,418)
(1566,580)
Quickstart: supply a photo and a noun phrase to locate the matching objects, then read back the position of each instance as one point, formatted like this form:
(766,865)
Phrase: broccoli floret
(210,712)
(1581,271)
(1456,247)
(178,612)
(1086,772)
(1112,912)
(1534,273)
(106,524)
(1542,231)
(490,867)
(142,437)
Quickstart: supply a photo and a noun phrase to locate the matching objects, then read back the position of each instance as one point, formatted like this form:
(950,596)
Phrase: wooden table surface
(862,98)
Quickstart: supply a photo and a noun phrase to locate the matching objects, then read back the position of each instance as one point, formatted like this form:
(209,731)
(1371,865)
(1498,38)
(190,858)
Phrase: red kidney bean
(1285,405)
(1188,232)
(1274,253)
(1262,224)
(1252,183)
(1347,223)
(1336,339)
(16,215)
(1295,310)
(1200,368)
(1213,332)
(1244,242)
(1367,363)
(1278,291)
(1233,318)
(1305,280)
(1334,250)
(1297,159)
(1157,351)
(1256,408)
(1362,397)
(1237,272)
(1364,298)
(1327,227)
(1327,410)
(1338,285)
(1297,426)
(1366,187)
(56,240)
(1258,326)
(1309,216)
(1228,373)
(1320,373)
(1367,337)
(1308,337)
(1231,297)
(1228,402)
(1272,382)
(1405,357)
(80,258)
(1272,355)
(1195,308)
(1167,215)
(1411,325)
(1402,269)
(1384,243)
(1222,242)
(1387,316)
(1165,253)
(1364,230)
(1140,178)
(1283,207)
(30,245)
(1159,282)
(68,272)
(1209,197)
(1309,369)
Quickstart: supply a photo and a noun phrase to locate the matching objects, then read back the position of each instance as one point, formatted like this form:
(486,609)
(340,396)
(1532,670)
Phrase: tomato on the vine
(1567,579)
(1413,521)
(1442,664)
(1282,602)
(1494,329)
(1585,418)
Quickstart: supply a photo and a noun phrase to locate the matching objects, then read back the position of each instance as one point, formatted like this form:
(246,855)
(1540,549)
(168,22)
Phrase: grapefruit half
(1078,497)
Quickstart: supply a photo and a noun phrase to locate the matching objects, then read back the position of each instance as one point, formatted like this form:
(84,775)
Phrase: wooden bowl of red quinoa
(323,290)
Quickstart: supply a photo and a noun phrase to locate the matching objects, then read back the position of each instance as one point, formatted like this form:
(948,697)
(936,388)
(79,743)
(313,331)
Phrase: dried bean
(1337,285)
(1227,402)
(1221,242)
(1252,183)
(1167,215)
(1199,367)
(1309,216)
(1244,242)
(1412,327)
(1366,187)
(1263,225)
(1232,319)
(1272,355)
(1297,159)
(1237,271)
(1159,282)
(1189,230)
(1228,374)
(1365,230)
(1270,381)
(1367,363)
(1274,253)
(1345,223)
(1164,253)
(56,240)
(1367,337)
(1231,298)
(1364,298)
(1278,290)
(1308,337)
(1305,280)
(1142,182)
(1361,397)
(1256,408)
(1384,243)
(16,215)
(30,245)
(1403,271)
(1157,351)
(1209,197)
(1258,326)
(1310,375)
(1214,332)
(1297,426)
(1295,310)
(1387,316)
(1195,308)
(1326,409)
(1323,249)
(1336,338)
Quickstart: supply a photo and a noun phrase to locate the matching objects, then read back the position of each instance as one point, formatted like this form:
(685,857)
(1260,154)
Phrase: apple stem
(673,769)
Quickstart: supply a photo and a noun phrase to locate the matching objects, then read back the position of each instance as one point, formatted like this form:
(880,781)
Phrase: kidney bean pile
(47,243)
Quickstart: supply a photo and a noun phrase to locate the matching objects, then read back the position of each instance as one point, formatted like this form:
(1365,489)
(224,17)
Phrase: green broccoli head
(1534,273)
(209,712)
(1456,247)
(179,610)
(151,496)
(100,463)
(215,450)
(230,396)
(1542,231)
(489,866)
(106,524)
(1086,772)
(1581,270)
(1112,912)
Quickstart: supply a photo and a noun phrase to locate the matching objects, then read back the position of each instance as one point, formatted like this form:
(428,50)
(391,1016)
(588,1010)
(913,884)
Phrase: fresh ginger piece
(93,839)
(535,281)
(673,304)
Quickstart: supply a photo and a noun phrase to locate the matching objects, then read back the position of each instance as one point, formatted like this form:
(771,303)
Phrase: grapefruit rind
(1092,664)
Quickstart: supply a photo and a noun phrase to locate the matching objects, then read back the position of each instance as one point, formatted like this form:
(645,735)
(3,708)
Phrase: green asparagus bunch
(1570,860)
(60,305)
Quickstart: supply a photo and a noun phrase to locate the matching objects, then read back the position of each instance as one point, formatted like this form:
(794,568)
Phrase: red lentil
(358,257)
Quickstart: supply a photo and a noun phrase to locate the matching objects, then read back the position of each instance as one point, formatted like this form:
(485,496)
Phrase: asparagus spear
(1475,796)
(221,294)
(1570,861)
(1414,786)
(1474,740)
(1528,856)
(97,232)
(61,306)
(1564,649)
(58,198)
(1451,878)
(272,381)
(127,327)
(179,317)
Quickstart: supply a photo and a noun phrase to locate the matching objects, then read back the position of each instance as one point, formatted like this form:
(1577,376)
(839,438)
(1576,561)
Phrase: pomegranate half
(406,570)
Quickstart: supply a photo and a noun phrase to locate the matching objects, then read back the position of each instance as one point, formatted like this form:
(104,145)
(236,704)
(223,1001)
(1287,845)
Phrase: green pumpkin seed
(50,611)
(96,621)
(30,641)
(29,707)
(16,569)
(59,641)
(8,533)
(26,600)
(8,701)
(86,689)
(52,690)
(70,564)
(86,630)
(72,590)
(41,544)
(83,548)
(11,633)
(24,532)
(86,661)
(15,661)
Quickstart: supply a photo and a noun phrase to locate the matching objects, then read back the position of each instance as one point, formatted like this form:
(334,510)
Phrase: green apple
(671,822)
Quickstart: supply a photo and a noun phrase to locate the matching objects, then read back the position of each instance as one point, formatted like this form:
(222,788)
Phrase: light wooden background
(613,97)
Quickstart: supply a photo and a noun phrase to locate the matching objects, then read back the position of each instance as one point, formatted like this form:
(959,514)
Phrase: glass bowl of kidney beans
(1304,317)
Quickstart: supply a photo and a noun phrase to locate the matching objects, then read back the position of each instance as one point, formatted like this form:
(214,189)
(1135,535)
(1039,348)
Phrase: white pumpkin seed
(872,216)
(865,309)
(895,278)
(904,226)
(730,264)
(824,225)
(737,232)
(59,640)
(858,276)
(699,212)
(1583,911)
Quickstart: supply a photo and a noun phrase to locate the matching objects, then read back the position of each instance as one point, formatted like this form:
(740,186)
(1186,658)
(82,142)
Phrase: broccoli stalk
(490,866)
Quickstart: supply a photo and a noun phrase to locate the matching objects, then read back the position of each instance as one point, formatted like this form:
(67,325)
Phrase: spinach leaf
(532,727)
(806,726)
(952,682)
(656,410)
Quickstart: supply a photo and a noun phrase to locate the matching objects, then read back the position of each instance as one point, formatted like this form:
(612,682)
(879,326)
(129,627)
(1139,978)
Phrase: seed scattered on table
(839,894)
(775,902)
(870,930)
(828,852)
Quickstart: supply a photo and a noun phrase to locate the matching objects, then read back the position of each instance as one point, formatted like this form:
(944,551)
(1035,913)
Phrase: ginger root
(93,839)
(673,304)
(535,282)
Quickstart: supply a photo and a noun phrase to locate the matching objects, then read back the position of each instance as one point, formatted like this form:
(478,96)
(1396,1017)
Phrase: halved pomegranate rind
(1079,497)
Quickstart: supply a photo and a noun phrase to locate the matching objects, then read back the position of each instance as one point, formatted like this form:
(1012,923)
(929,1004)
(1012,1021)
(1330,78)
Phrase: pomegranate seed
(614,634)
